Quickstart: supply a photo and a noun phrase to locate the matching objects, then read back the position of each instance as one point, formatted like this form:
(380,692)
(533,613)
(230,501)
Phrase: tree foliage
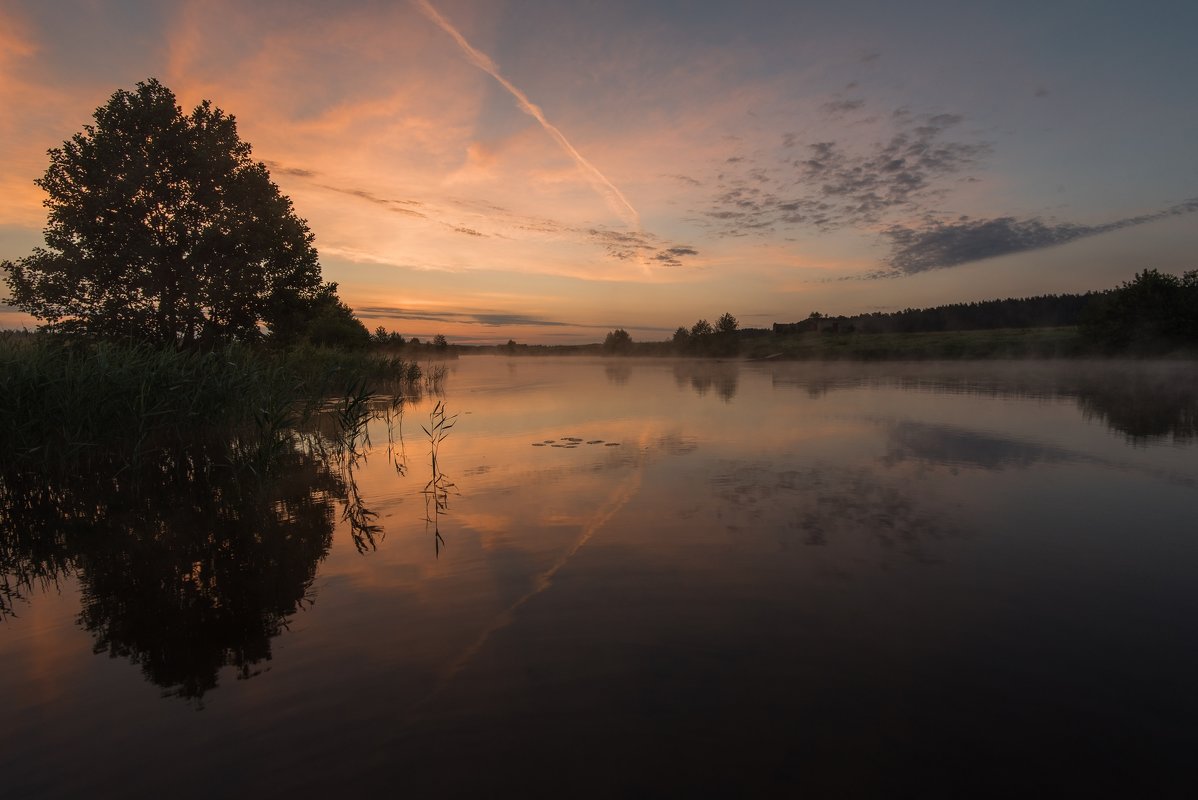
(1153,311)
(161,227)
(617,341)
(325,321)
(385,338)
(705,339)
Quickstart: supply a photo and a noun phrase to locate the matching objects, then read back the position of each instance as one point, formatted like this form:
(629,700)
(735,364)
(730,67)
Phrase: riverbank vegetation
(1153,315)
(107,407)
(185,321)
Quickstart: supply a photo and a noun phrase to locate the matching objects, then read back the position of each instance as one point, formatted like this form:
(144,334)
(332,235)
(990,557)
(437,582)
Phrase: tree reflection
(618,374)
(1143,400)
(703,376)
(187,570)
(1149,405)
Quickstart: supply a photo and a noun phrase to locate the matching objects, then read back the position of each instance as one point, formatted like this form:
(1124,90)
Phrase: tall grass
(436,491)
(434,377)
(128,439)
(67,405)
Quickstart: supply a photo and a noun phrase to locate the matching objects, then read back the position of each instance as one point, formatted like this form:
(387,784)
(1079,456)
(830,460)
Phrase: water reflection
(1147,406)
(703,376)
(618,372)
(828,504)
(953,446)
(191,570)
(361,520)
(1145,401)
(885,554)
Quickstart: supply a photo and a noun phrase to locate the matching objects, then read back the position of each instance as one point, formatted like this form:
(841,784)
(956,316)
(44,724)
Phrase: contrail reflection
(623,493)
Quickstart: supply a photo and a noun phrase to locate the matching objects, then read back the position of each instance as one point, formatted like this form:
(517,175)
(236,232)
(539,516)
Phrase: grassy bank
(70,405)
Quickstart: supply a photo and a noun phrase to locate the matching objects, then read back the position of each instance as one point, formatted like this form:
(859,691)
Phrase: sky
(548,170)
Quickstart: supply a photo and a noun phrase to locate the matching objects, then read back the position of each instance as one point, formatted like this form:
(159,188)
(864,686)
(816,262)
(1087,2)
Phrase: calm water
(653,577)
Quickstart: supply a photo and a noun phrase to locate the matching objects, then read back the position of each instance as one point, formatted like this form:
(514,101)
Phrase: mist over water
(660,576)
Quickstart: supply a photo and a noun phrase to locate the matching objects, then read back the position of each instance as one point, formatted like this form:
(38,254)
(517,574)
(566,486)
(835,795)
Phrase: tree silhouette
(681,339)
(726,343)
(322,320)
(161,227)
(1153,311)
(617,341)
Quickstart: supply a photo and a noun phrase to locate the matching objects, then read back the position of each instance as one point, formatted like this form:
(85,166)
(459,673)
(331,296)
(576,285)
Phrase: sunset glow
(546,171)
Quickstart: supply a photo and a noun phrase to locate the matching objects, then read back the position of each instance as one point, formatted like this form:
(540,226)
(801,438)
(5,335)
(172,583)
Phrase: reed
(436,491)
(434,377)
(68,405)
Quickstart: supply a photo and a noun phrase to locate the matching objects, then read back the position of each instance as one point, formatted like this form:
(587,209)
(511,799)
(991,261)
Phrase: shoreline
(1041,344)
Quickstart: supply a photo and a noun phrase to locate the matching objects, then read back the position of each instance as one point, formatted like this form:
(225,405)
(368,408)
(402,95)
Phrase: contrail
(614,197)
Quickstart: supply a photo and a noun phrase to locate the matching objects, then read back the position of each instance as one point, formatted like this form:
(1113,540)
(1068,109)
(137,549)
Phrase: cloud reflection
(828,504)
(947,445)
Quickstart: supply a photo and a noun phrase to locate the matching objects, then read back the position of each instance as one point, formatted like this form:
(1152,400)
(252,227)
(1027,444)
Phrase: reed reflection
(352,418)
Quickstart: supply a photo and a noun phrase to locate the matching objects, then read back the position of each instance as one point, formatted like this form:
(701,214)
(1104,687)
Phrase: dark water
(707,579)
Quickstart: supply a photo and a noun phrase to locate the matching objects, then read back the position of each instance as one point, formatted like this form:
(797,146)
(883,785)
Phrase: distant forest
(1153,314)
(1153,311)
(1045,311)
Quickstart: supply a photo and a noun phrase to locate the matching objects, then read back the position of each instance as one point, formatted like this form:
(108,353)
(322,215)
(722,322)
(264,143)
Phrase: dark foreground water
(655,578)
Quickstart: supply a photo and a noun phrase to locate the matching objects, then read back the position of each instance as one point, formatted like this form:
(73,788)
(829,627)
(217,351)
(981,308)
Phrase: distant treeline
(1044,311)
(395,345)
(1153,314)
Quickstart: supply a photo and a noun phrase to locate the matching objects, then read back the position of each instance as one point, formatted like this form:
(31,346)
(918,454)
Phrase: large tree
(162,227)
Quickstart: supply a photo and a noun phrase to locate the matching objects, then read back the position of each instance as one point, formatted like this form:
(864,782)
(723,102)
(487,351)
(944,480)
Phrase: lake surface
(639,577)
